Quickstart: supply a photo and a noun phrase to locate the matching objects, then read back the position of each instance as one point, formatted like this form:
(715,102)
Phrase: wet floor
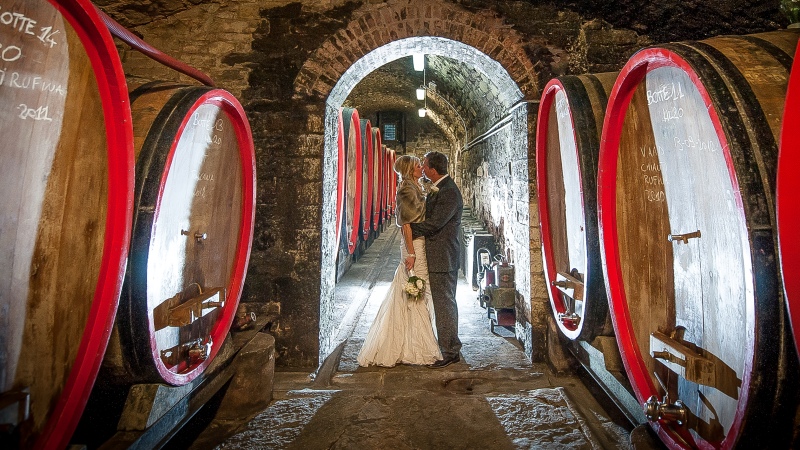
(494,398)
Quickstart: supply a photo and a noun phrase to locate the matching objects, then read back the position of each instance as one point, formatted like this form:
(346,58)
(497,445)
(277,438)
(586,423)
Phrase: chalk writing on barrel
(26,25)
(39,113)
(32,82)
(651,174)
(671,91)
(694,143)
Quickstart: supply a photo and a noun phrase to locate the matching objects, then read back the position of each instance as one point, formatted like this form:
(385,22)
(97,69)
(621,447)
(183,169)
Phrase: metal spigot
(569,319)
(199,351)
(663,410)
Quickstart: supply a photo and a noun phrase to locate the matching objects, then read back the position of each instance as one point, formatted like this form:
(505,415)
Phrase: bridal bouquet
(415,286)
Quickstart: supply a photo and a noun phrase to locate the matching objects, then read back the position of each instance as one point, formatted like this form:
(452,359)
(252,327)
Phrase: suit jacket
(441,227)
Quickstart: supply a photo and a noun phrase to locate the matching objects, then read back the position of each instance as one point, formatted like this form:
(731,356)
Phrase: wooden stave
(161,112)
(788,216)
(352,205)
(367,175)
(767,394)
(84,329)
(589,95)
(377,178)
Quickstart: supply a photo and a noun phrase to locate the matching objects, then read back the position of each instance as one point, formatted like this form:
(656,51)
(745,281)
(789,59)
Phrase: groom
(441,229)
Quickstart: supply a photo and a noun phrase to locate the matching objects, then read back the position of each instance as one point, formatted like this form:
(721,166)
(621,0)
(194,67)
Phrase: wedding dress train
(402,332)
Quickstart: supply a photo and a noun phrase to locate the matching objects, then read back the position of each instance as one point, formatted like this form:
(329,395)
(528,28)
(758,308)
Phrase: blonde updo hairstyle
(405,165)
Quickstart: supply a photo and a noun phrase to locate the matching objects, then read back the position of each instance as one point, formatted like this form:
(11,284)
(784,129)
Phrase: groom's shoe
(444,362)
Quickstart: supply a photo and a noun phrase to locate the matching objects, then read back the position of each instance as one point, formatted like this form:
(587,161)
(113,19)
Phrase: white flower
(420,284)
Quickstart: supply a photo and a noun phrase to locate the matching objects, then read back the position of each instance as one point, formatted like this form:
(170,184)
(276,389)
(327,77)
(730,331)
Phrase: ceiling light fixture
(419,61)
(422,112)
(420,93)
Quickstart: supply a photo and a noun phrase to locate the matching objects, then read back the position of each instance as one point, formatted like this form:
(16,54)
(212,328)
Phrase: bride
(402,332)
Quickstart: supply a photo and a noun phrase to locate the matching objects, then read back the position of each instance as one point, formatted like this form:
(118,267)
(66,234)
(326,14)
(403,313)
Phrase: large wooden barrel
(384,184)
(377,147)
(353,164)
(687,226)
(65,211)
(570,121)
(787,190)
(391,200)
(192,231)
(341,174)
(367,182)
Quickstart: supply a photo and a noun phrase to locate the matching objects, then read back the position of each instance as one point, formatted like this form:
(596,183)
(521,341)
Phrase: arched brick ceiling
(463,96)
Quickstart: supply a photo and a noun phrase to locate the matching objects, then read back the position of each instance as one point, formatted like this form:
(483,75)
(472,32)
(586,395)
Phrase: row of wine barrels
(788,215)
(192,230)
(686,212)
(65,211)
(569,127)
(365,179)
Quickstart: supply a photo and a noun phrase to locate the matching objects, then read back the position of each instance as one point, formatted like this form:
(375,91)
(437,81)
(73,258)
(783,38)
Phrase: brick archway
(380,34)
(375,26)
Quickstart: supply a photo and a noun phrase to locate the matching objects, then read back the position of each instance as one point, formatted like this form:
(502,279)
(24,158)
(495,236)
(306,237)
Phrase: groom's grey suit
(441,230)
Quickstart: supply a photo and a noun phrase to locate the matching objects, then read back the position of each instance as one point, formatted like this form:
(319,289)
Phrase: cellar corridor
(493,398)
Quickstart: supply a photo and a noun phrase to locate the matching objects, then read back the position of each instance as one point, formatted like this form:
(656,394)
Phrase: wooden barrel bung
(787,190)
(65,210)
(353,164)
(367,184)
(192,230)
(686,216)
(568,133)
(376,177)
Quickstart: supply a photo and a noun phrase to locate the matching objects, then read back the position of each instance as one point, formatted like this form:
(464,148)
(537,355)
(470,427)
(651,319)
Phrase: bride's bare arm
(409,261)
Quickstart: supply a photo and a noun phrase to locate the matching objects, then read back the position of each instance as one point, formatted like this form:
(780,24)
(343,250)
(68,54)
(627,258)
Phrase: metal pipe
(148,50)
(499,125)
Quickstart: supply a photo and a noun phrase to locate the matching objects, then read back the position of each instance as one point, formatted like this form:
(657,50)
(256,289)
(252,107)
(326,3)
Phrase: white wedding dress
(402,332)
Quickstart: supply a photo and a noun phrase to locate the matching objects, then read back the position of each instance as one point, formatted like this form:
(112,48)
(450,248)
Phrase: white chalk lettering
(672,114)
(694,143)
(39,113)
(47,34)
(10,53)
(665,92)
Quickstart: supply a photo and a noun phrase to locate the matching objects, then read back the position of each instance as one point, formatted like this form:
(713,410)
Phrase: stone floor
(494,398)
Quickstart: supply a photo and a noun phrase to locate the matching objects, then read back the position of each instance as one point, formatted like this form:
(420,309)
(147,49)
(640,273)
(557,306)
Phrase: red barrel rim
(227,103)
(82,16)
(353,164)
(788,215)
(377,178)
(367,185)
(542,126)
(628,80)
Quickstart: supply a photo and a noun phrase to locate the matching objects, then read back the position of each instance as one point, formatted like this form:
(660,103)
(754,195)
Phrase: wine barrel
(191,236)
(353,164)
(788,215)
(367,184)
(377,147)
(385,185)
(341,174)
(569,124)
(391,200)
(65,211)
(686,215)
